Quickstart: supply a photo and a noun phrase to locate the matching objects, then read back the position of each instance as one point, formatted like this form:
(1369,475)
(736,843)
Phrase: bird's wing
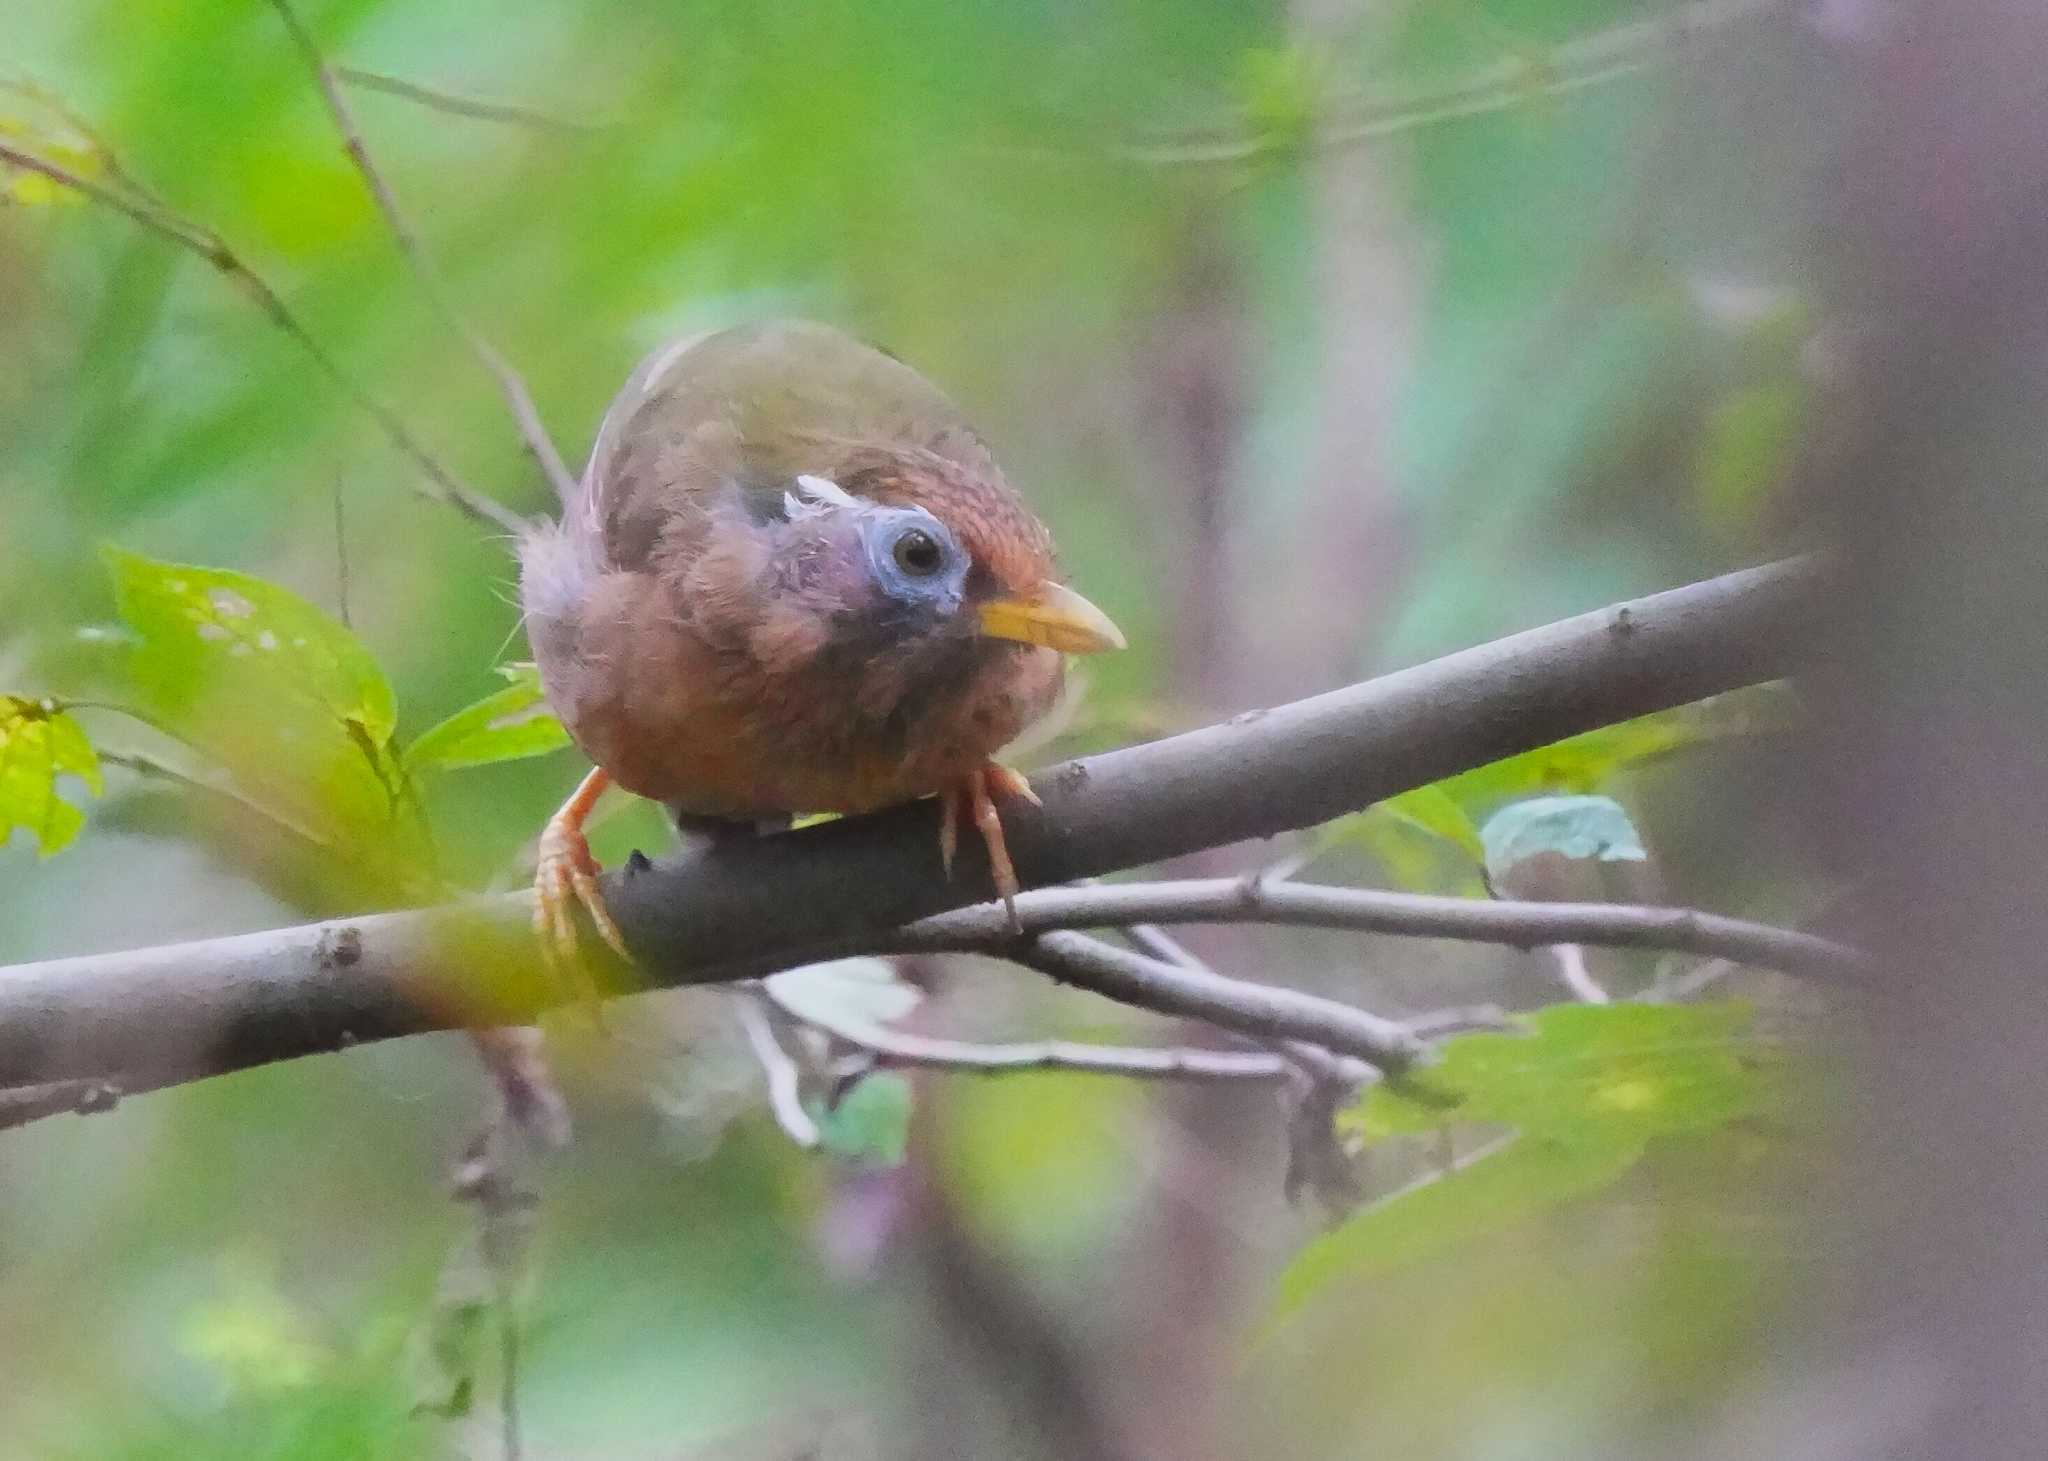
(752,406)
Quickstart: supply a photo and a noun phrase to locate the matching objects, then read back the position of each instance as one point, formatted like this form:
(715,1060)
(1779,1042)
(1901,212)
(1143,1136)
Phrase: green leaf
(1527,1176)
(1582,1094)
(871,1125)
(1406,832)
(845,993)
(277,691)
(507,725)
(1577,827)
(1409,835)
(1431,809)
(204,626)
(1583,763)
(39,742)
(1583,1072)
(1284,92)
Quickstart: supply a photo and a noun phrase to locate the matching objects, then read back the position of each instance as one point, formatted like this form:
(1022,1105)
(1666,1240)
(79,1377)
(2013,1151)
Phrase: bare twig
(785,1081)
(1373,910)
(1592,61)
(1472,1019)
(1575,976)
(442,100)
(208,245)
(518,400)
(1312,1061)
(82,128)
(24,1104)
(341,558)
(1262,1011)
(886,1047)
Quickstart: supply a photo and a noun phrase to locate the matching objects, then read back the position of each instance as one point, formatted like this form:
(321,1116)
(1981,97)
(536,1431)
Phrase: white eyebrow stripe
(814,495)
(825,490)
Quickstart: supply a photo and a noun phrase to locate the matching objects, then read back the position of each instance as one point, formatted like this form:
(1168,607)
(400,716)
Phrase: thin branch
(745,908)
(1263,1011)
(442,100)
(341,558)
(785,1081)
(1314,1062)
(24,1104)
(83,129)
(1373,910)
(1471,1019)
(1594,60)
(890,1048)
(1573,974)
(209,246)
(518,400)
(1142,1062)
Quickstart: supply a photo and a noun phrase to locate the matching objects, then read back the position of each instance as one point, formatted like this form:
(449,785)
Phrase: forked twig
(518,400)
(210,246)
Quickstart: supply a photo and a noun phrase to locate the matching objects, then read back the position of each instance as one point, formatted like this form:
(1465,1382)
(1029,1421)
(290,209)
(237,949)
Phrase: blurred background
(1328,337)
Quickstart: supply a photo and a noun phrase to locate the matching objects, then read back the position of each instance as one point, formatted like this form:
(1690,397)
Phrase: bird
(791,580)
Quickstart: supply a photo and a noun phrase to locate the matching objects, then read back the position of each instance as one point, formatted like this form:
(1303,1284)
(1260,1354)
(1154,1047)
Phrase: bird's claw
(565,875)
(973,796)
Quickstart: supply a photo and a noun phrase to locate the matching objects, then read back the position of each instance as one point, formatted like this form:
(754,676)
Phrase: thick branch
(744,908)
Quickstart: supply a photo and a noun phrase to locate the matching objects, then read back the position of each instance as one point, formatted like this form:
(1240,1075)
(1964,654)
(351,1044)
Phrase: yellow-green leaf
(1581,1094)
(1419,839)
(276,690)
(38,744)
(1431,809)
(1408,833)
(507,725)
(203,625)
(1525,1176)
(1581,1071)
(1585,763)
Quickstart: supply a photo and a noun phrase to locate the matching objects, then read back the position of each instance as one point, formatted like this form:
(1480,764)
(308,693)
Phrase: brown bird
(793,580)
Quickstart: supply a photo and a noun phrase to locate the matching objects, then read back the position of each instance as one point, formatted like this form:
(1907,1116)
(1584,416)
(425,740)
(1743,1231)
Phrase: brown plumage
(794,580)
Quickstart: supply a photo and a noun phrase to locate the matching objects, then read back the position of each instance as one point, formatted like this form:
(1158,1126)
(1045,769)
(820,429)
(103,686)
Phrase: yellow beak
(1055,616)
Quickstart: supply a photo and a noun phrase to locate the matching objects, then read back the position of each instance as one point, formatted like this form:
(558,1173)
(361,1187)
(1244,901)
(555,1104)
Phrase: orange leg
(974,796)
(565,875)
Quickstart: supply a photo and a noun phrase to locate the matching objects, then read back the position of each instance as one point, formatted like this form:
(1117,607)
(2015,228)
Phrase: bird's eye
(918,553)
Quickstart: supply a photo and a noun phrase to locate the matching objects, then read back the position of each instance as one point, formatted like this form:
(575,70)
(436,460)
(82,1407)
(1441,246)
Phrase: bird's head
(923,549)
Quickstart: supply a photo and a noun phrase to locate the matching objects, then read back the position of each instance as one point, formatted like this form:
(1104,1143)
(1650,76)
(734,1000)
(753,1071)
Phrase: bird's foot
(565,875)
(973,797)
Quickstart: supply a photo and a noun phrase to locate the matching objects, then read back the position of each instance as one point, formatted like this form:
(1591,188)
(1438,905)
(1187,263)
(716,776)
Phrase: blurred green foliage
(1589,365)
(39,743)
(1571,1104)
